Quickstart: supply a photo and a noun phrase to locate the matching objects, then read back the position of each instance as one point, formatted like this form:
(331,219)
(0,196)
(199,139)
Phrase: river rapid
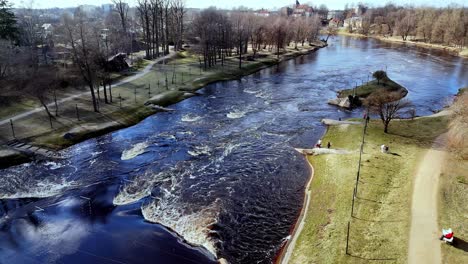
(217,177)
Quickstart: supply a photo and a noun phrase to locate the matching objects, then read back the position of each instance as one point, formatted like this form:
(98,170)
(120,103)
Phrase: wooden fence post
(12,129)
(77,113)
(347,241)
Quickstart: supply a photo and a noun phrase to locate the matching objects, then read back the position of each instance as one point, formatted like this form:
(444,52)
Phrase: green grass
(368,88)
(19,104)
(382,221)
(453,207)
(462,90)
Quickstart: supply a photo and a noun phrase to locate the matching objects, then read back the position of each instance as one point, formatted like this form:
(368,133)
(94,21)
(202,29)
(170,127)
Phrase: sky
(256,4)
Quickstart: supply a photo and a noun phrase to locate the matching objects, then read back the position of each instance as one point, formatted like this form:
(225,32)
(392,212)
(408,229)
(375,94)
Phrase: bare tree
(330,31)
(406,25)
(121,7)
(83,39)
(387,106)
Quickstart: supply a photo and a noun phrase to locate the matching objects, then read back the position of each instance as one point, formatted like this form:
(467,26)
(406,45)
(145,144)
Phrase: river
(218,177)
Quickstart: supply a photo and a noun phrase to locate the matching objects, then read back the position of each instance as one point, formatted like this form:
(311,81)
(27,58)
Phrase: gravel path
(424,244)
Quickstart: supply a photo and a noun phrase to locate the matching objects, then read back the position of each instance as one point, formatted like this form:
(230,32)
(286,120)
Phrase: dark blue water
(218,177)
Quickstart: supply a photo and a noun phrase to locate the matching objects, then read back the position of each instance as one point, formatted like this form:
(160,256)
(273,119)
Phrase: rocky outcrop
(341,102)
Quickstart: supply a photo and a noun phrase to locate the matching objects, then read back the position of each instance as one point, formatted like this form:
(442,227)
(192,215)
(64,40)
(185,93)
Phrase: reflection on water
(218,177)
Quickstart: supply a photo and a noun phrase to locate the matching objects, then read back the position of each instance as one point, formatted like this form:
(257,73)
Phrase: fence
(355,191)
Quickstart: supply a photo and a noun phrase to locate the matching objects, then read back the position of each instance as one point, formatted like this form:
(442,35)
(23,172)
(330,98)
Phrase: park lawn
(182,73)
(453,207)
(368,88)
(20,105)
(381,222)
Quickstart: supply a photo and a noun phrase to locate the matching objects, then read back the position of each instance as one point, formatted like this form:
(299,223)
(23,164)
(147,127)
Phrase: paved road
(69,98)
(424,244)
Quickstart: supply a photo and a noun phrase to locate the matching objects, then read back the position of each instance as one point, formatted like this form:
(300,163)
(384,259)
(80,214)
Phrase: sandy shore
(286,251)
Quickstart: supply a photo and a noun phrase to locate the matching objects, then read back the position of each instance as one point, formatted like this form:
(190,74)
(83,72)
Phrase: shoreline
(451,50)
(285,252)
(12,157)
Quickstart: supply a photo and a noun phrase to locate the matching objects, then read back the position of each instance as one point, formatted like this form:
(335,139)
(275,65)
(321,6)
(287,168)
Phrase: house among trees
(353,23)
(336,22)
(302,10)
(46,30)
(118,62)
(262,13)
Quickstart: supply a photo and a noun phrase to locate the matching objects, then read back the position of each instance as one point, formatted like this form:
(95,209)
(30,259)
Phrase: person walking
(328,144)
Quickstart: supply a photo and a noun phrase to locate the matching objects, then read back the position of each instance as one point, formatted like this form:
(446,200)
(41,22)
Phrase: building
(262,13)
(46,30)
(335,14)
(353,22)
(302,10)
(335,22)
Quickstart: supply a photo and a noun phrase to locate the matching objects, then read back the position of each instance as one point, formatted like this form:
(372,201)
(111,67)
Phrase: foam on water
(41,189)
(236,114)
(200,150)
(53,165)
(190,118)
(193,226)
(138,188)
(136,150)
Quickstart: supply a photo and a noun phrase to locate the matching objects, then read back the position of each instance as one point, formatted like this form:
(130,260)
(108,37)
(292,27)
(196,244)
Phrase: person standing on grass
(328,144)
(319,143)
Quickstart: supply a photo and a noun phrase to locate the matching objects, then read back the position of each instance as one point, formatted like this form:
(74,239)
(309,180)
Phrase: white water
(190,118)
(138,188)
(200,150)
(136,150)
(193,226)
(42,189)
(236,114)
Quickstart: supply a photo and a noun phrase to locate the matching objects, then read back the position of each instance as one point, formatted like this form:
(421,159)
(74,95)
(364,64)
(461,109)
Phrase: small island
(350,98)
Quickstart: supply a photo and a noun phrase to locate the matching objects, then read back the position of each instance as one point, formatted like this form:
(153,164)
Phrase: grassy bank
(380,225)
(452,50)
(453,207)
(453,196)
(181,73)
(373,86)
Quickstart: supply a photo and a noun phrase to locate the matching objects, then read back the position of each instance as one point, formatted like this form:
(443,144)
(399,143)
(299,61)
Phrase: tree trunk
(110,91)
(93,97)
(46,108)
(105,92)
(55,101)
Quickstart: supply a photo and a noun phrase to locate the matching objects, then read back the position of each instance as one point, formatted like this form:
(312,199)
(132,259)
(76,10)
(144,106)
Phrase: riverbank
(452,50)
(453,187)
(380,223)
(77,123)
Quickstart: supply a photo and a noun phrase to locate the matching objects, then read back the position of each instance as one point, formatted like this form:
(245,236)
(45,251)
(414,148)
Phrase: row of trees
(219,34)
(162,22)
(447,26)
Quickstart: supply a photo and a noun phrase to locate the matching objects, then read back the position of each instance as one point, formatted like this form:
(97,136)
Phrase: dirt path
(424,245)
(126,80)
